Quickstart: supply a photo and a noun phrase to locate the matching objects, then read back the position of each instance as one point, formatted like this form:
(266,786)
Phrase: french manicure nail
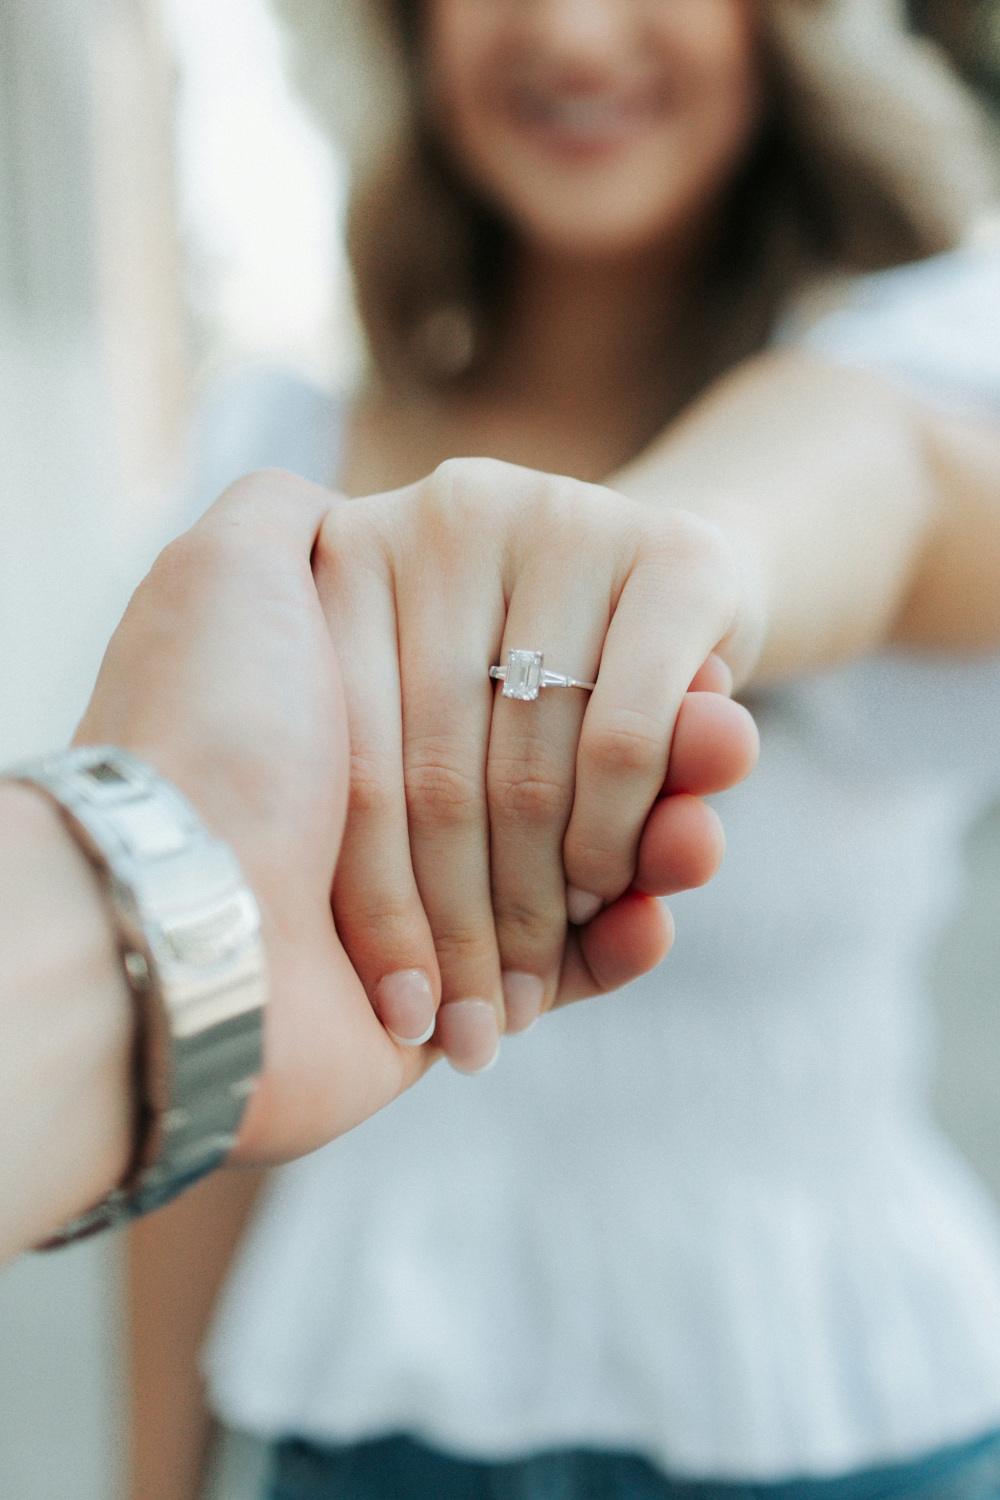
(522,998)
(404,1003)
(469,1033)
(581,905)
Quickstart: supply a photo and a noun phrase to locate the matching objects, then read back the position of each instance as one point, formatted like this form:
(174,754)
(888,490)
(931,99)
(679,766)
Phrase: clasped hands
(313,673)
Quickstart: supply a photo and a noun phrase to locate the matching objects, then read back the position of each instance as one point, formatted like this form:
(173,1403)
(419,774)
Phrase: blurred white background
(128,272)
(260,197)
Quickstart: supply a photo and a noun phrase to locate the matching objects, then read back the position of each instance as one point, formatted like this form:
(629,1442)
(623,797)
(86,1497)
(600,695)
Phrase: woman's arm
(177,1261)
(954,599)
(835,488)
(841,517)
(869,518)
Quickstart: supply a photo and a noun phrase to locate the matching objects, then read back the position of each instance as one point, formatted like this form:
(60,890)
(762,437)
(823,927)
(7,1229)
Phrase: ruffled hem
(742,1330)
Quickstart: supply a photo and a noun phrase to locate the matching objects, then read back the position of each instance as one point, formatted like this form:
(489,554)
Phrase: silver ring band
(524,677)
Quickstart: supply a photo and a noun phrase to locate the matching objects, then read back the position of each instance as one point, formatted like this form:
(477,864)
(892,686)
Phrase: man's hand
(222,676)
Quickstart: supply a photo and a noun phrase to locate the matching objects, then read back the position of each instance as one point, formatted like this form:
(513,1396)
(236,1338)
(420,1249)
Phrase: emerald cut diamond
(524,675)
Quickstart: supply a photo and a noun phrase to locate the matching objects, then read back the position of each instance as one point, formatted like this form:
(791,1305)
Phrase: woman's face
(596,127)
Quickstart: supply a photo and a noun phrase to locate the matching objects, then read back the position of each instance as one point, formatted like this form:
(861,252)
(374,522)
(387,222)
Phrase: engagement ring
(523,677)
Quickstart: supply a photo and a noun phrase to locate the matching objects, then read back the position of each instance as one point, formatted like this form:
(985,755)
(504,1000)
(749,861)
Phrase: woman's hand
(222,675)
(477,823)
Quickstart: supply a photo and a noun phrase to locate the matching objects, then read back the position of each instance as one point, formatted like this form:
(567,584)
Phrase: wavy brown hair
(969,32)
(873,154)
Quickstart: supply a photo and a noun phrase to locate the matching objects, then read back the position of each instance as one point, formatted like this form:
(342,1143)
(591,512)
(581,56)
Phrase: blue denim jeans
(400,1469)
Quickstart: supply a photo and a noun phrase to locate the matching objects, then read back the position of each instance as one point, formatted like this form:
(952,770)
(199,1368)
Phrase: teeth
(587,115)
(592,118)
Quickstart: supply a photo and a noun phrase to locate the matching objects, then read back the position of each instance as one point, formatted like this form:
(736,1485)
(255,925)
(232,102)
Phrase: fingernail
(404,1003)
(581,905)
(469,1033)
(522,998)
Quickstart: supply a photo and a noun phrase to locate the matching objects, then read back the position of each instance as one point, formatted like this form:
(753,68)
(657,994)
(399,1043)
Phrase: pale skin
(180,685)
(875,450)
(795,517)
(223,676)
(604,132)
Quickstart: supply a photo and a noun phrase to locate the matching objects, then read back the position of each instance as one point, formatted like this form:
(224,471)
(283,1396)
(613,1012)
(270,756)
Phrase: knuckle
(600,858)
(465,945)
(460,482)
(205,548)
(694,551)
(522,794)
(384,921)
(370,794)
(257,496)
(684,534)
(261,481)
(349,542)
(440,793)
(523,926)
(626,741)
(463,490)
(456,474)
(602,866)
(562,506)
(182,558)
(219,548)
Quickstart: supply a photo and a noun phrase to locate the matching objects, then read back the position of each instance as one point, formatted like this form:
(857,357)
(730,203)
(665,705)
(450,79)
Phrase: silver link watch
(189,934)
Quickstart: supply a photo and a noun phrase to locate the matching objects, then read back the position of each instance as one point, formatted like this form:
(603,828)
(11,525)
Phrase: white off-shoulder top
(707,1219)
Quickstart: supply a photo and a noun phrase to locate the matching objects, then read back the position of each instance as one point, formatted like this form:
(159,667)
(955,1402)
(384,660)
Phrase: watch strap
(188,931)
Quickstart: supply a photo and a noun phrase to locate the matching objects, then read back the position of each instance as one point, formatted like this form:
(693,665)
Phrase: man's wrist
(66,1070)
(188,933)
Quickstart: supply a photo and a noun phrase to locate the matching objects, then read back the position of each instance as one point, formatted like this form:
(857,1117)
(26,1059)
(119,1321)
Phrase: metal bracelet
(188,929)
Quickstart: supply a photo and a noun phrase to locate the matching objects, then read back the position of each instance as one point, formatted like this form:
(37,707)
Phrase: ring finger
(530,778)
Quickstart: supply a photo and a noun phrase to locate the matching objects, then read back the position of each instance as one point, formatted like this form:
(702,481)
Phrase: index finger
(625,941)
(666,624)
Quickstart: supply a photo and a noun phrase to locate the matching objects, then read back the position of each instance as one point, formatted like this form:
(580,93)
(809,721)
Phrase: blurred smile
(582,125)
